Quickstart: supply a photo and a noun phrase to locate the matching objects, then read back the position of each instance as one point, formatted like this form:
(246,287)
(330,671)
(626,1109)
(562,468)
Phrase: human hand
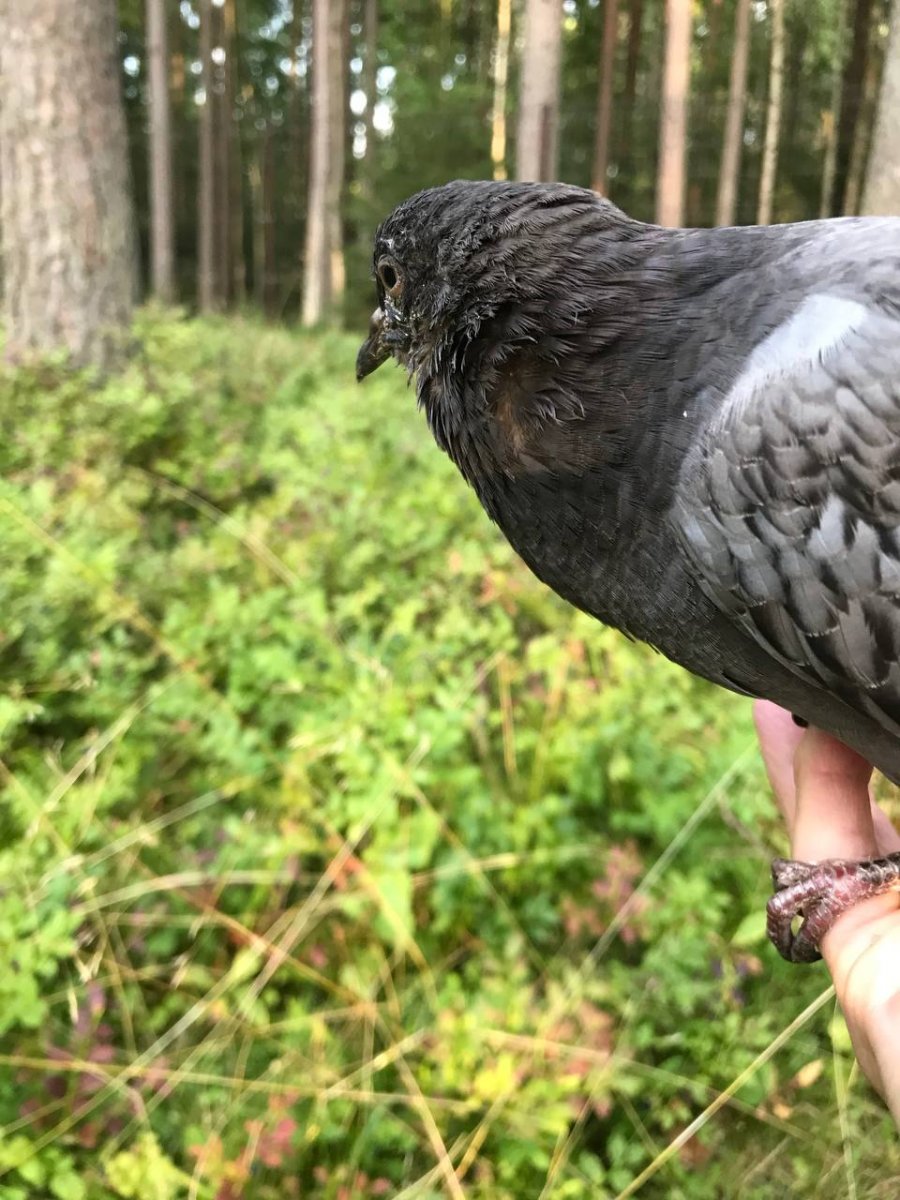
(822,789)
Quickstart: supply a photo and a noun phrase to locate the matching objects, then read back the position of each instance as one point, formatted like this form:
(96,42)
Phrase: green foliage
(324,827)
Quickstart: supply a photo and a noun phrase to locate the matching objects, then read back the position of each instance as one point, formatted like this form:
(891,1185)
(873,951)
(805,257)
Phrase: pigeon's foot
(819,893)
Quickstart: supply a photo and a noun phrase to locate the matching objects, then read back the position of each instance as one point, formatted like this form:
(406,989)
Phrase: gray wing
(789,509)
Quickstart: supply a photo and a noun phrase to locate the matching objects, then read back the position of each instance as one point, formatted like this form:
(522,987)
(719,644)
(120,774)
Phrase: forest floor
(341,859)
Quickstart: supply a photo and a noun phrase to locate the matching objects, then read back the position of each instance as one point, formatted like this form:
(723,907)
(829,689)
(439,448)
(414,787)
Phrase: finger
(834,809)
(885,1029)
(886,835)
(862,954)
(779,738)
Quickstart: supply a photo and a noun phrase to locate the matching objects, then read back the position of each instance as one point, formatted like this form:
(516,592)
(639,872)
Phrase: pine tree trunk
(296,140)
(773,113)
(67,224)
(605,95)
(365,168)
(180,151)
(370,87)
(537,137)
(501,77)
(852,88)
(635,26)
(714,12)
(207,275)
(162,239)
(796,44)
(673,115)
(270,275)
(340,145)
(262,187)
(222,152)
(862,139)
(323,278)
(882,191)
(830,121)
(729,173)
(237,275)
(258,216)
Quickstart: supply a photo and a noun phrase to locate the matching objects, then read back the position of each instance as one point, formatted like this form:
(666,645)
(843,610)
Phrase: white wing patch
(820,324)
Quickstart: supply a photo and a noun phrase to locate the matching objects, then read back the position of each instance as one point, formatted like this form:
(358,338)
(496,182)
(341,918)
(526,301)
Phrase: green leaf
(67,1186)
(751,931)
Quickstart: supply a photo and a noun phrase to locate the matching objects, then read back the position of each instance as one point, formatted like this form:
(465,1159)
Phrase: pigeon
(691,434)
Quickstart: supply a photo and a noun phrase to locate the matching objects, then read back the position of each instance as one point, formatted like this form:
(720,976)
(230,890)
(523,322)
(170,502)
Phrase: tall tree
(262,188)
(605,95)
(537,136)
(830,120)
(207,275)
(773,113)
(862,138)
(673,115)
(729,172)
(714,12)
(635,28)
(323,279)
(223,152)
(882,191)
(370,87)
(67,226)
(501,75)
(231,159)
(181,154)
(162,238)
(852,89)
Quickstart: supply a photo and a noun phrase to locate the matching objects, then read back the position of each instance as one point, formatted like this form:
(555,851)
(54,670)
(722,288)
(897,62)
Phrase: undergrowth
(339,858)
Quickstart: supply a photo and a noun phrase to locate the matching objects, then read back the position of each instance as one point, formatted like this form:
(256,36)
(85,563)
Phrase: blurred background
(338,858)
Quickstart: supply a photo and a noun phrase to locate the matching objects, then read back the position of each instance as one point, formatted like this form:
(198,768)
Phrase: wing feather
(789,508)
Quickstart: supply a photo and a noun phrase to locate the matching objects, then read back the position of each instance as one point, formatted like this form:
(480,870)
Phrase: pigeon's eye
(391,279)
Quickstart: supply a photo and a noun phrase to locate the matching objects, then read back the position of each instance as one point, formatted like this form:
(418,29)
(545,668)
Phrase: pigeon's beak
(373,352)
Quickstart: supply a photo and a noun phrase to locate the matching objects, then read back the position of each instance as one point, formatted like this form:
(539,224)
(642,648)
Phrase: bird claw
(819,893)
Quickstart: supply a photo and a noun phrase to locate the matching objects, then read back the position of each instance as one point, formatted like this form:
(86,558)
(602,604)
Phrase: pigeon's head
(450,259)
(498,297)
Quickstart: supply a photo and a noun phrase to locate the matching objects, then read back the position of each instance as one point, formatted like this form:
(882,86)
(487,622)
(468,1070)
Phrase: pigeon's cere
(693,435)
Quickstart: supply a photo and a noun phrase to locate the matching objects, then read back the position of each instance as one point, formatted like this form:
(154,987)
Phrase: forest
(339,858)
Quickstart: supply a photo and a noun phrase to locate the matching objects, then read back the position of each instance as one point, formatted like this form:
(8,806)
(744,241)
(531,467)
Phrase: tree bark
(635,26)
(714,15)
(162,237)
(773,114)
(830,120)
(270,275)
(862,139)
(370,87)
(262,186)
(207,275)
(797,39)
(673,116)
(501,76)
(882,191)
(729,172)
(323,278)
(605,95)
(295,142)
(67,222)
(231,138)
(537,138)
(222,155)
(180,151)
(852,87)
